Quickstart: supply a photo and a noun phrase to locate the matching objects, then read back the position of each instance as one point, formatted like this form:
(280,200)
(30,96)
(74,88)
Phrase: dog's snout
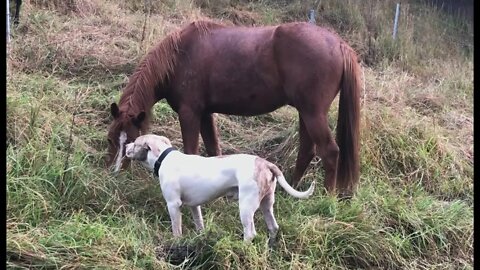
(129,150)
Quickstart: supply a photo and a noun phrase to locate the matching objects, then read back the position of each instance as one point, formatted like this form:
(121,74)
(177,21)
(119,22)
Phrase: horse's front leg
(190,126)
(209,133)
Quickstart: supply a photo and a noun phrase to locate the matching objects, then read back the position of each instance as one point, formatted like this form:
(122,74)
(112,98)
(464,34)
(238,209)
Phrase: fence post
(311,16)
(395,25)
(8,21)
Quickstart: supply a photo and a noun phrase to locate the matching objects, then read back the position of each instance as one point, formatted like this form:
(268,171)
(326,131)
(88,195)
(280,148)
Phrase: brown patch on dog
(264,177)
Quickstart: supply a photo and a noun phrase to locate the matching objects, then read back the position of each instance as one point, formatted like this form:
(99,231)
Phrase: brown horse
(208,68)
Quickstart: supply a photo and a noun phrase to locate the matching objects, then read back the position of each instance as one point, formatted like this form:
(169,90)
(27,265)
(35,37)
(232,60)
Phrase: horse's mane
(156,68)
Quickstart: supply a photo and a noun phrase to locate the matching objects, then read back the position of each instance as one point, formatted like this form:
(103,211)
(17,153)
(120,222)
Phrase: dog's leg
(248,205)
(266,206)
(197,217)
(175,217)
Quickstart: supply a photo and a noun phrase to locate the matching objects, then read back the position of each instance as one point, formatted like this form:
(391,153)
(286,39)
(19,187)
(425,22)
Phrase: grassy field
(69,60)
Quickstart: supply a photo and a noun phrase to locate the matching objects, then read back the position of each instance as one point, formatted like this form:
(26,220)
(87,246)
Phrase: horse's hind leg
(327,148)
(306,153)
(209,133)
(190,126)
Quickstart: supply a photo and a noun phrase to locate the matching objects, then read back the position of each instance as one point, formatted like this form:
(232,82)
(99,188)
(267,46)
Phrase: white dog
(194,180)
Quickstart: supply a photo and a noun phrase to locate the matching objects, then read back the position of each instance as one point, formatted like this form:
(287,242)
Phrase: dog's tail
(289,189)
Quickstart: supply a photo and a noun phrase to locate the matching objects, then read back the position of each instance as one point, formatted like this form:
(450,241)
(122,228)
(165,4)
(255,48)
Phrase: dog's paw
(272,243)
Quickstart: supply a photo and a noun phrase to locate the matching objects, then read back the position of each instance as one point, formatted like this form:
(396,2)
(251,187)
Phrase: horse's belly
(248,104)
(243,111)
(245,92)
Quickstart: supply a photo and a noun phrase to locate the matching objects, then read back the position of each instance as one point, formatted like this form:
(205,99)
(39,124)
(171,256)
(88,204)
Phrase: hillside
(69,60)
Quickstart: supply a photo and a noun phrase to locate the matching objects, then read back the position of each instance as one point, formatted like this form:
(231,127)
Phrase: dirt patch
(242,17)
(194,253)
(426,104)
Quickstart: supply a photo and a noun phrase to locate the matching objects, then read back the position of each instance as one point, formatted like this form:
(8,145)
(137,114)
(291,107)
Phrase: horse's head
(124,129)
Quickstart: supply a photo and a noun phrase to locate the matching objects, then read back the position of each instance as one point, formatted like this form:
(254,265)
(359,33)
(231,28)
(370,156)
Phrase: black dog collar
(160,159)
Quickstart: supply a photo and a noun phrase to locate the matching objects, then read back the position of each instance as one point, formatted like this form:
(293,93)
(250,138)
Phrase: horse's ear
(137,121)
(114,110)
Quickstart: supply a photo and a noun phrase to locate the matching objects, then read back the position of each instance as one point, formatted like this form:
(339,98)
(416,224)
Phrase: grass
(414,205)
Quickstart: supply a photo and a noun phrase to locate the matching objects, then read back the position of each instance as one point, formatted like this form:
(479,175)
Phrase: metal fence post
(395,25)
(311,16)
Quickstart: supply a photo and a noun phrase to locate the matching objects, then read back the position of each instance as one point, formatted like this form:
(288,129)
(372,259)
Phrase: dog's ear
(137,121)
(165,140)
(152,148)
(114,110)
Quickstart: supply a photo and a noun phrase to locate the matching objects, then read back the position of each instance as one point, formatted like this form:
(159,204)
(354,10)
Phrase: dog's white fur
(194,180)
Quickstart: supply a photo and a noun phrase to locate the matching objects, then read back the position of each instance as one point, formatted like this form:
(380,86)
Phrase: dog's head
(147,147)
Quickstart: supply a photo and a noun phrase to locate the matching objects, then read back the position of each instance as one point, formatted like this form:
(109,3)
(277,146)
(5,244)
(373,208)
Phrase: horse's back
(310,60)
(304,40)
(228,67)
(265,67)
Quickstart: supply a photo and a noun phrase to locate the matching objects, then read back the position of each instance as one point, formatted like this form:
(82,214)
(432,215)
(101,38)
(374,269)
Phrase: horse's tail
(348,125)
(289,189)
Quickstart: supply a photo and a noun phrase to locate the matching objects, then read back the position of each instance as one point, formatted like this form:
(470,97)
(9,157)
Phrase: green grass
(414,205)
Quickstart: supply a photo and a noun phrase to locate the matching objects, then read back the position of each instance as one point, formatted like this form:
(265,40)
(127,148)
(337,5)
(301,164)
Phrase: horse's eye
(109,141)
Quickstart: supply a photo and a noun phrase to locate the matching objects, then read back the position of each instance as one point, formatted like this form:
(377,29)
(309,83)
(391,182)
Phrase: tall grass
(414,205)
(424,32)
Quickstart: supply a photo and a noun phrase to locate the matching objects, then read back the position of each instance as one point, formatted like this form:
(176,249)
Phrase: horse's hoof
(344,196)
